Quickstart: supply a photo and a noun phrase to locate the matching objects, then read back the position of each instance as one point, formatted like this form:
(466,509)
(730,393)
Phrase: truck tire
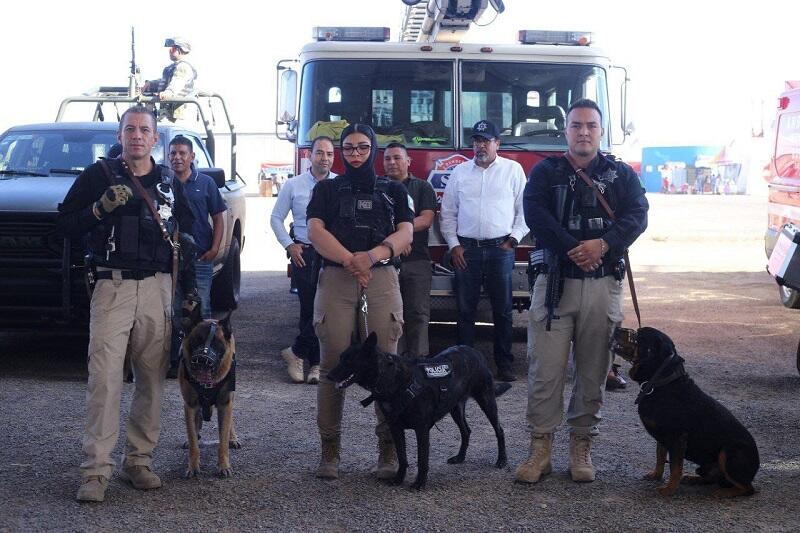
(225,287)
(798,357)
(789,297)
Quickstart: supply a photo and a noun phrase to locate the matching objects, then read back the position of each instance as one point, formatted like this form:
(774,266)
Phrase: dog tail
(500,388)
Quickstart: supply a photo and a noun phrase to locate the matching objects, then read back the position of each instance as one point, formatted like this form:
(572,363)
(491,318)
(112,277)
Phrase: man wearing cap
(482,222)
(177,80)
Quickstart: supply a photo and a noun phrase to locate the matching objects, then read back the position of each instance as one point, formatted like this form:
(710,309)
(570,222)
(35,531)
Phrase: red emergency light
(783,102)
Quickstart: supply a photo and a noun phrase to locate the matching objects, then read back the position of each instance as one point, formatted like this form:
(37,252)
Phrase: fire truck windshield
(411,101)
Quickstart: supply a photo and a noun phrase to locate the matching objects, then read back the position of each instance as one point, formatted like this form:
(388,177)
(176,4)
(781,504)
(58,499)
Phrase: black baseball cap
(485,129)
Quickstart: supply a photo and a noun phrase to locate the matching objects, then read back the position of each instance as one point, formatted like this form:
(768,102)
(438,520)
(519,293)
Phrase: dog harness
(208,394)
(430,372)
(647,387)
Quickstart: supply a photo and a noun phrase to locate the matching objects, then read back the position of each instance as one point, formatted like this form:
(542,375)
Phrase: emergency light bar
(568,38)
(350,33)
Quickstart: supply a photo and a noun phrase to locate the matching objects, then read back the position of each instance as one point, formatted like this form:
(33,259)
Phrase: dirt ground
(700,276)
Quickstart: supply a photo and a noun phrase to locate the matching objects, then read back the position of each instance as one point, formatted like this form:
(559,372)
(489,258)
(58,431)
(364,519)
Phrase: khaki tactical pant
(126,315)
(415,287)
(587,311)
(337,317)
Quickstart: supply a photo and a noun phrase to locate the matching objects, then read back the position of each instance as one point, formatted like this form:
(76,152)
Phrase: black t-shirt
(324,203)
(424,198)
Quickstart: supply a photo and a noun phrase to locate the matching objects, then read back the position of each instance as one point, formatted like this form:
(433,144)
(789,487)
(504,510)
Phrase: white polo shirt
(483,203)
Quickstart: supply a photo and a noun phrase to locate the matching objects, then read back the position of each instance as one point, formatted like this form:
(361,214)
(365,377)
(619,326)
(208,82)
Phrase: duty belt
(125,274)
(573,271)
(477,243)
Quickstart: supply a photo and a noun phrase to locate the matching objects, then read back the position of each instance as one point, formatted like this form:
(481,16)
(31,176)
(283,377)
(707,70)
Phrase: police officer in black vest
(358,223)
(131,228)
(572,226)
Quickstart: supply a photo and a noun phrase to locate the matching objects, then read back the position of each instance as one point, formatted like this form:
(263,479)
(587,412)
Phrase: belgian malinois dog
(207,378)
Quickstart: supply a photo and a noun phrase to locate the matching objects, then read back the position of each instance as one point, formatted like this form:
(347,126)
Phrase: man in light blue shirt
(294,196)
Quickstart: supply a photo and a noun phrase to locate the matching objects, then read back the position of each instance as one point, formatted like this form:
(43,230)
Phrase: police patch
(436,371)
(364,205)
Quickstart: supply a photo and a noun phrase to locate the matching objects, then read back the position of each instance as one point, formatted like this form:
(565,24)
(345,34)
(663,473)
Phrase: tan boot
(329,462)
(92,489)
(387,459)
(580,459)
(538,463)
(141,477)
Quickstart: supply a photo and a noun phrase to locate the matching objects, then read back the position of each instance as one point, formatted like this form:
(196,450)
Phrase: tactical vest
(584,216)
(169,72)
(364,218)
(129,238)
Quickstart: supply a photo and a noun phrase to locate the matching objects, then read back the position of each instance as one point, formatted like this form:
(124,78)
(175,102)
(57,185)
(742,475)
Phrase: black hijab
(363,176)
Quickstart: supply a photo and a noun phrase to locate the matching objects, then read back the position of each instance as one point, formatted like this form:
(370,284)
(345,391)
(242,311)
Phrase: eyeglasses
(349,149)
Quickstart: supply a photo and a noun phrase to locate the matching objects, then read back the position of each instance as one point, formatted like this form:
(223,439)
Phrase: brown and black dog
(207,378)
(686,422)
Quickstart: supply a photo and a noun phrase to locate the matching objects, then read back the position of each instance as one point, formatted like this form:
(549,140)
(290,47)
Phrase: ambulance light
(570,38)
(350,33)
(783,102)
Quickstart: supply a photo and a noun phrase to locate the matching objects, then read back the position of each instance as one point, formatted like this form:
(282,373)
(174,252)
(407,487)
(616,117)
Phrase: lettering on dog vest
(436,371)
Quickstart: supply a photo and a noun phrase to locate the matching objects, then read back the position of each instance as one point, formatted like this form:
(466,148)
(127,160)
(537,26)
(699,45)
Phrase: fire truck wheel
(798,357)
(789,297)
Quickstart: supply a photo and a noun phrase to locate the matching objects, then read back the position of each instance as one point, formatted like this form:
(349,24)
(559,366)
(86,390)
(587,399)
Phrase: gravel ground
(738,341)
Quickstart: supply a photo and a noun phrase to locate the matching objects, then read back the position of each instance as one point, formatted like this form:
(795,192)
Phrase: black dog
(416,393)
(686,422)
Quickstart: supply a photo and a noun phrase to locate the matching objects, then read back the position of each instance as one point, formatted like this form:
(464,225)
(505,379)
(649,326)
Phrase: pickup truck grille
(29,240)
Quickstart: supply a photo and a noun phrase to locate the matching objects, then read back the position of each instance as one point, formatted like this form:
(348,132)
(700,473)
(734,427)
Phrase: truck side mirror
(287,103)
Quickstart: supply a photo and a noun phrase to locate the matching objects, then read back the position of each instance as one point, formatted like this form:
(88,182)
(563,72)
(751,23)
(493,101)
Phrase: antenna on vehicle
(133,78)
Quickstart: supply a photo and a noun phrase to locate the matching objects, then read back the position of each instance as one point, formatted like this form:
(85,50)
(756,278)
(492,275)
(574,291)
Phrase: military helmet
(178,42)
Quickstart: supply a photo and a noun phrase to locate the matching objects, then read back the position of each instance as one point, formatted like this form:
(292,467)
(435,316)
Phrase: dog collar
(647,387)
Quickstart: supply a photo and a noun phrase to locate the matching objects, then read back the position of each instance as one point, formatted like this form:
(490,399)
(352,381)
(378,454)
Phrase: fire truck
(784,185)
(427,92)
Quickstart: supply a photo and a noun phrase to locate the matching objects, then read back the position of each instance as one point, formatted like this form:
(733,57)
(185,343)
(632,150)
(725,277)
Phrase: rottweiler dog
(416,393)
(686,422)
(207,379)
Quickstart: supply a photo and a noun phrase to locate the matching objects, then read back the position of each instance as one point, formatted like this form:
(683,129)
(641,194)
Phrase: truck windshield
(403,100)
(41,152)
(528,101)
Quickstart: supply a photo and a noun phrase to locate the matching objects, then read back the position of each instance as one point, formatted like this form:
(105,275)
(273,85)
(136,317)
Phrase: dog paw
(501,463)
(666,490)
(417,485)
(225,472)
(191,473)
(456,459)
(395,481)
(234,445)
(653,476)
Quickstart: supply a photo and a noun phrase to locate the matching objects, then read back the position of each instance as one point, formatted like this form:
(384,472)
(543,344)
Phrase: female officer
(358,223)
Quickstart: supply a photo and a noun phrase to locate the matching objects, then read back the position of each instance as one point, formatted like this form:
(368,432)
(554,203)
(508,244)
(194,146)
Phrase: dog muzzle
(625,343)
(205,360)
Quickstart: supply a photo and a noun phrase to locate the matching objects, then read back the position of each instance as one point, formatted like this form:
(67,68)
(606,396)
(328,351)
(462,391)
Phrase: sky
(701,72)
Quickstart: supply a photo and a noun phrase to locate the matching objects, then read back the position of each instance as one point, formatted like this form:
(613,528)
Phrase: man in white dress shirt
(482,222)
(294,196)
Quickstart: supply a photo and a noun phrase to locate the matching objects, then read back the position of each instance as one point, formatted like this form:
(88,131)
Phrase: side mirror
(287,101)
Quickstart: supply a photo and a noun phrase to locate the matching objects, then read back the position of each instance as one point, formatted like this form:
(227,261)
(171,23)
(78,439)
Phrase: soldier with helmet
(177,80)
(129,210)
(359,223)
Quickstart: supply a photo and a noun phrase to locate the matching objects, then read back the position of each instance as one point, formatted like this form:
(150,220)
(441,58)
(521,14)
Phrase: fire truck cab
(428,95)
(784,185)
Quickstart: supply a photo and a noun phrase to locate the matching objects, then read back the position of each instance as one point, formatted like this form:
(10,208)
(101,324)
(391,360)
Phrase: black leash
(647,387)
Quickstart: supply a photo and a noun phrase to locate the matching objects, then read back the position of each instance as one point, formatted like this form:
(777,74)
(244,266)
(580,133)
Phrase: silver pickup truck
(41,275)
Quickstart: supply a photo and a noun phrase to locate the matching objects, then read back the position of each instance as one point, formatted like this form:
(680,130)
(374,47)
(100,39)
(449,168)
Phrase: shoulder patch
(437,371)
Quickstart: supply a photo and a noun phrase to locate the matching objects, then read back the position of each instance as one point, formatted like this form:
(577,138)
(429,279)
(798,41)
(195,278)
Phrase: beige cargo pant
(126,315)
(588,311)
(336,318)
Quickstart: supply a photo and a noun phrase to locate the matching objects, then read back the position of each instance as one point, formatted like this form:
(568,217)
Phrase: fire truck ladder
(442,21)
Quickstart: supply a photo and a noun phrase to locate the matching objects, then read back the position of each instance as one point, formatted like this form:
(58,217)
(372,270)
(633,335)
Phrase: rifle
(133,78)
(552,260)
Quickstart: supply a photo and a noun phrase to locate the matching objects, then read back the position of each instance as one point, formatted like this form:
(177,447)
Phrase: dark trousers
(305,278)
(492,267)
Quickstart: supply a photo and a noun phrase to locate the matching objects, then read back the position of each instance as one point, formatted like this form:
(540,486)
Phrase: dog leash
(580,172)
(364,309)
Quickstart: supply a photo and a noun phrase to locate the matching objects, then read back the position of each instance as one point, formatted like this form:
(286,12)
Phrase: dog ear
(190,321)
(371,342)
(225,324)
